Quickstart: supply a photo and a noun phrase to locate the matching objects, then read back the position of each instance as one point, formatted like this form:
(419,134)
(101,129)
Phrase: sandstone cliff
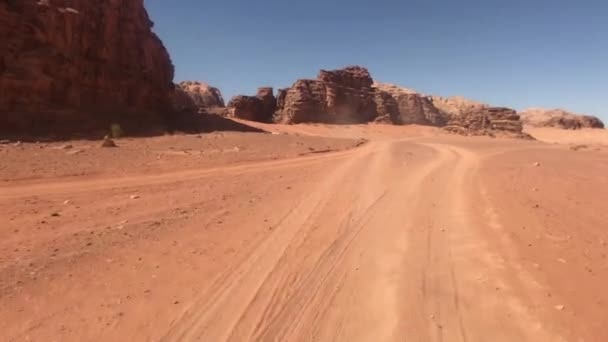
(456,105)
(413,108)
(490,121)
(339,96)
(539,117)
(78,65)
(254,108)
(203,95)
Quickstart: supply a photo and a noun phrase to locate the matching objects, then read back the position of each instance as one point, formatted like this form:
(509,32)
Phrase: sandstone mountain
(338,96)
(414,108)
(203,95)
(456,105)
(80,65)
(255,108)
(489,121)
(540,117)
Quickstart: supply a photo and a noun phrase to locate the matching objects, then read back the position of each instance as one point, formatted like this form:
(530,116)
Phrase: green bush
(116,131)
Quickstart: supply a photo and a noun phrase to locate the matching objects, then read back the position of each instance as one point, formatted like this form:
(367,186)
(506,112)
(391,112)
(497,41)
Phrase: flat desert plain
(306,233)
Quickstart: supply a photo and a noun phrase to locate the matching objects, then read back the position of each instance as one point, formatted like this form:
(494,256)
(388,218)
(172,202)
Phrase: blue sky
(510,53)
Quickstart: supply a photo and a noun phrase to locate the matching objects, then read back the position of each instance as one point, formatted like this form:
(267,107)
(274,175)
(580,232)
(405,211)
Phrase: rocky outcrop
(269,103)
(539,117)
(489,121)
(203,95)
(254,108)
(387,108)
(413,108)
(79,65)
(182,102)
(339,96)
(456,105)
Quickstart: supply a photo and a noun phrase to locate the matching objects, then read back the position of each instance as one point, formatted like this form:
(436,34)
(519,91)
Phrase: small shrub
(116,131)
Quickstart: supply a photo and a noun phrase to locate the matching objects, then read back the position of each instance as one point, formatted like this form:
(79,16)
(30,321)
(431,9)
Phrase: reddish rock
(413,108)
(539,117)
(269,103)
(182,102)
(254,108)
(456,105)
(203,95)
(491,121)
(339,96)
(246,107)
(80,65)
(387,108)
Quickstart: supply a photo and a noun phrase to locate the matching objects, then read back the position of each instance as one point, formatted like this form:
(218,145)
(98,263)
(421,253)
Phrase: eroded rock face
(490,121)
(80,65)
(254,108)
(539,117)
(339,96)
(387,108)
(456,105)
(203,95)
(413,108)
(269,103)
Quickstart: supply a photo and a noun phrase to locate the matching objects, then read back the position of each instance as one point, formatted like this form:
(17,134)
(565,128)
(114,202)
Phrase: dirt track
(425,238)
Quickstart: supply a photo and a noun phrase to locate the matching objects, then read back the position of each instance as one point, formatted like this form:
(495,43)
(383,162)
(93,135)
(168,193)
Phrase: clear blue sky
(511,52)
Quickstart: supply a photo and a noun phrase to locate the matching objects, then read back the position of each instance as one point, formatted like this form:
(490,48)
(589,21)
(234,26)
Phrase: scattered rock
(578,147)
(55,215)
(67,202)
(107,142)
(4,142)
(133,197)
(65,147)
(74,152)
(537,164)
(559,307)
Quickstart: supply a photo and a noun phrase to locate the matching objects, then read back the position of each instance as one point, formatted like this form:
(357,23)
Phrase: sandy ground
(415,236)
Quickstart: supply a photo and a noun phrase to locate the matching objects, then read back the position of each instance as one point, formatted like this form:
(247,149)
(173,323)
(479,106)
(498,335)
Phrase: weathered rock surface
(490,121)
(387,108)
(254,108)
(339,96)
(80,65)
(414,108)
(539,117)
(456,105)
(269,103)
(203,95)
(182,102)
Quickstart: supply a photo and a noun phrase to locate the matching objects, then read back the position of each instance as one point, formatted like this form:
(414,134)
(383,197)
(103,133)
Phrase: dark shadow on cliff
(189,123)
(206,123)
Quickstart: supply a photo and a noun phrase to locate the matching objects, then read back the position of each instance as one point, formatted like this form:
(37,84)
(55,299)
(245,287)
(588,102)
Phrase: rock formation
(414,108)
(490,121)
(456,105)
(339,96)
(80,65)
(269,103)
(387,108)
(203,95)
(254,108)
(246,107)
(539,117)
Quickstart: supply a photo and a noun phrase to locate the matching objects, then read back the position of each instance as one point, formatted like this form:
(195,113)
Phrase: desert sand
(311,233)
